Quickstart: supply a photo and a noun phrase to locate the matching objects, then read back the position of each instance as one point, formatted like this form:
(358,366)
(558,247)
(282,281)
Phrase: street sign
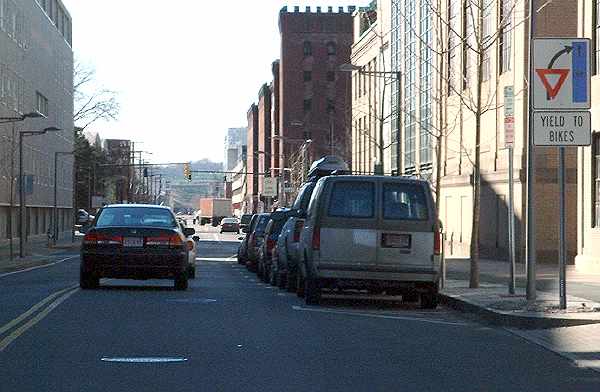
(269,187)
(562,128)
(509,116)
(561,73)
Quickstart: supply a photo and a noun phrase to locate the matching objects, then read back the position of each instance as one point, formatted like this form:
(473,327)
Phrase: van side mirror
(245,229)
(189,231)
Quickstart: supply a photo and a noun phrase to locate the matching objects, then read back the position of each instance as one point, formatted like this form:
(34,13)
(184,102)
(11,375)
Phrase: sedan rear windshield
(136,217)
(404,202)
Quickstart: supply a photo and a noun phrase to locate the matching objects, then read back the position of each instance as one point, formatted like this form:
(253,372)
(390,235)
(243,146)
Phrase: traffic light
(187,172)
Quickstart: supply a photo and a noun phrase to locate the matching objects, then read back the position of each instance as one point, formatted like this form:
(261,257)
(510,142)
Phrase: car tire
(410,297)
(181,282)
(192,272)
(290,282)
(273,276)
(300,285)
(429,300)
(281,280)
(312,291)
(88,281)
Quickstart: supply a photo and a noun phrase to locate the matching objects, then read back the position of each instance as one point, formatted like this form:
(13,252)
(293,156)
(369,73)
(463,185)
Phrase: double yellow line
(47,305)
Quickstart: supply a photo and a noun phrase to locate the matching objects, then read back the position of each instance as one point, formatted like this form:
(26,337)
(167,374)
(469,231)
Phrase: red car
(230,225)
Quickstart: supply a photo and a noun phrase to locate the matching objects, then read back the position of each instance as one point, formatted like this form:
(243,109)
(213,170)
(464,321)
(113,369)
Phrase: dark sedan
(131,241)
(230,225)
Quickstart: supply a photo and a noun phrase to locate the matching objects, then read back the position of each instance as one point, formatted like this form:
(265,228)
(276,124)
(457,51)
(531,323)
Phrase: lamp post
(398,75)
(13,120)
(23,134)
(55,209)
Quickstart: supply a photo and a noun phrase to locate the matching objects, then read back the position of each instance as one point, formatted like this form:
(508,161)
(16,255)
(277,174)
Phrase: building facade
(236,140)
(372,86)
(265,113)
(251,201)
(36,74)
(313,94)
(588,160)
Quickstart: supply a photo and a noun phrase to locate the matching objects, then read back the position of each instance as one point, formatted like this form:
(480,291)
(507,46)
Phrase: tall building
(265,112)
(372,87)
(588,161)
(445,74)
(36,74)
(251,202)
(235,143)
(313,93)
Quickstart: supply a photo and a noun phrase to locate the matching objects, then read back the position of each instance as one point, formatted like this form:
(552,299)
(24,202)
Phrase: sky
(184,70)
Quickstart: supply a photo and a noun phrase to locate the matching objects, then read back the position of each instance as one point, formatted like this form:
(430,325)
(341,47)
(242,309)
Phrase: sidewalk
(36,253)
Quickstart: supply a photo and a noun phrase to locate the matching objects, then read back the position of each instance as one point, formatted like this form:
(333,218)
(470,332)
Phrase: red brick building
(252,161)
(314,96)
(264,134)
(275,142)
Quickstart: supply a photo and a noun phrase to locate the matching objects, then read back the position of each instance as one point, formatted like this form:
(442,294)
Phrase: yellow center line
(62,296)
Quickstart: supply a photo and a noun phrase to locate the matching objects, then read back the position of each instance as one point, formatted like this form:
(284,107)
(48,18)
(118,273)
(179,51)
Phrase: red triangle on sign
(562,76)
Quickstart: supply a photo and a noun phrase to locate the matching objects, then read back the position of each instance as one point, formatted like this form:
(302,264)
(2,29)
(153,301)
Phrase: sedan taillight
(166,240)
(102,239)
(297,230)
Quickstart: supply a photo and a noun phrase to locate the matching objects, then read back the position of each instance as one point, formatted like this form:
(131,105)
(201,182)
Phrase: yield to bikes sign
(561,74)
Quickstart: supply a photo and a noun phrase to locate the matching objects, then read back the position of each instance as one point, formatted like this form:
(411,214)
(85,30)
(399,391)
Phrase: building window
(307,49)
(488,7)
(307,76)
(330,76)
(331,48)
(330,105)
(596,178)
(410,84)
(425,84)
(453,30)
(307,105)
(41,104)
(596,37)
(505,43)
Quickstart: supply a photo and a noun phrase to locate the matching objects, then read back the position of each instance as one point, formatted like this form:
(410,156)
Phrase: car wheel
(429,300)
(266,274)
(290,282)
(410,297)
(192,272)
(300,285)
(312,291)
(273,276)
(281,280)
(181,282)
(88,281)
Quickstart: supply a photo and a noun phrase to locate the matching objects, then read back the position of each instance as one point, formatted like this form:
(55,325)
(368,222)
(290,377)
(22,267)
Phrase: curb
(504,319)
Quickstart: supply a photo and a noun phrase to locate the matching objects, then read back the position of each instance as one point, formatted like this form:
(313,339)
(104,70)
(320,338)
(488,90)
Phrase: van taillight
(297,230)
(316,239)
(437,243)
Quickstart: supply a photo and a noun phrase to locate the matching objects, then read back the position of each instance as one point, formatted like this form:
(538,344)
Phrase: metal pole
(511,220)
(74,199)
(55,209)
(530,241)
(562,272)
(11,197)
(398,122)
(21,198)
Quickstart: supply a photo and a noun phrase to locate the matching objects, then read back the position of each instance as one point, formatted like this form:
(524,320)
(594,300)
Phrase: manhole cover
(143,359)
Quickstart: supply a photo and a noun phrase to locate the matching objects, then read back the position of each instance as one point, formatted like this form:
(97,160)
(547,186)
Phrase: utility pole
(530,222)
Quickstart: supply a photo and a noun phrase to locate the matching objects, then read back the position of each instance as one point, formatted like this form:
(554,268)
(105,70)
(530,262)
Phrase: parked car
(287,243)
(135,241)
(245,220)
(191,245)
(370,232)
(256,235)
(267,252)
(83,217)
(230,225)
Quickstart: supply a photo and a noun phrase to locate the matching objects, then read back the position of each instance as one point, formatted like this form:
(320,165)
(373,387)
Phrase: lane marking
(37,267)
(39,317)
(144,359)
(373,315)
(33,309)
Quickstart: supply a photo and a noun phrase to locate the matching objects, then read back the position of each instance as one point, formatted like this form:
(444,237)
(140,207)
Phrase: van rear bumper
(376,272)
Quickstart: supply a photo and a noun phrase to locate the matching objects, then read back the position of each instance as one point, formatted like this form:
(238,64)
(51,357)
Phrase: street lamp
(23,134)
(398,74)
(12,120)
(55,209)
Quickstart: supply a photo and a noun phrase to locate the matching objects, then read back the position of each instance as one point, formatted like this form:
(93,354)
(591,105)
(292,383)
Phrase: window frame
(307,105)
(595,37)
(307,48)
(331,48)
(307,76)
(371,184)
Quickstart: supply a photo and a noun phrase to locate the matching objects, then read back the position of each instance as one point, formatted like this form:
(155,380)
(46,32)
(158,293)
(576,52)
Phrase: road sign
(269,187)
(509,116)
(562,128)
(561,77)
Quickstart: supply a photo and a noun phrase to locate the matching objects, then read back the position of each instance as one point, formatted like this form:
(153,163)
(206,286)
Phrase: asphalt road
(230,332)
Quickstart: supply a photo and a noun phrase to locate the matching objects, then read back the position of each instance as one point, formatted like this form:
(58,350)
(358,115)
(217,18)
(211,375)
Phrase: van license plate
(396,241)
(133,242)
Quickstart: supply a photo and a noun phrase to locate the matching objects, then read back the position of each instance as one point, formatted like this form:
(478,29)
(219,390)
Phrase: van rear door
(348,231)
(405,230)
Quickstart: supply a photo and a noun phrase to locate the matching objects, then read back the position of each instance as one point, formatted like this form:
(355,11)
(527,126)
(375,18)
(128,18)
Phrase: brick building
(264,135)
(314,96)
(251,202)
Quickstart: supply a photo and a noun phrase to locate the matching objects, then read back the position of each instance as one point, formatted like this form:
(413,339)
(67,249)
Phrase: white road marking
(38,266)
(383,316)
(144,359)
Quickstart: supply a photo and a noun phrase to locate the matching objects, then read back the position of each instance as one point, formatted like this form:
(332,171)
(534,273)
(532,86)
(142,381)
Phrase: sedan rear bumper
(142,266)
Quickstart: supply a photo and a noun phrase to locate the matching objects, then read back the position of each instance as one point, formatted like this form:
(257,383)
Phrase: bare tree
(91,104)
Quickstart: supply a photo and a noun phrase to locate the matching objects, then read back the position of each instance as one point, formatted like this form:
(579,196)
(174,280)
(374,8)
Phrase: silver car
(370,232)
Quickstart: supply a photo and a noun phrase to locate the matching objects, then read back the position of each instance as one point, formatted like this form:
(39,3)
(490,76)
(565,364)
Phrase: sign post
(509,137)
(561,98)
